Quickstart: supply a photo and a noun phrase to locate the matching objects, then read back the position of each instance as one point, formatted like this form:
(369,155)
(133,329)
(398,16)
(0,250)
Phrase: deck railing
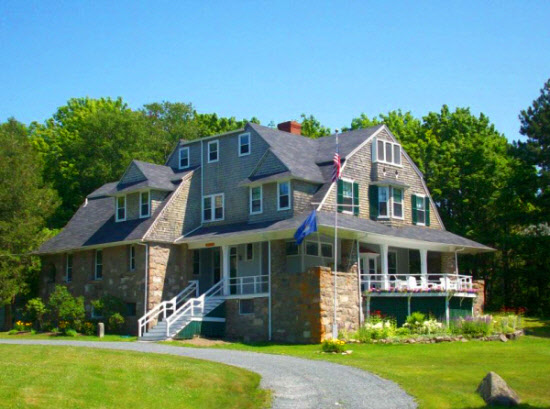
(249,285)
(417,282)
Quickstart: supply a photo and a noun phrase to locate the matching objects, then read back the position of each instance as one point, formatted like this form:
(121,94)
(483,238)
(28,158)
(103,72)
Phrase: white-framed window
(213,207)
(213,151)
(249,251)
(98,268)
(120,213)
(421,210)
(69,268)
(256,200)
(144,204)
(292,248)
(315,248)
(347,196)
(386,152)
(283,195)
(246,307)
(392,262)
(383,201)
(132,261)
(244,144)
(184,159)
(397,203)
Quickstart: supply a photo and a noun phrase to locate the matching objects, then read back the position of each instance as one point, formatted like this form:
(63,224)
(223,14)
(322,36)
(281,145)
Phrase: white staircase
(174,315)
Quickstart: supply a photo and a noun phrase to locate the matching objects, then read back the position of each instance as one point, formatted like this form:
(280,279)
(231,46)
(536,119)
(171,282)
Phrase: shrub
(474,327)
(417,323)
(403,332)
(376,328)
(414,322)
(35,311)
(62,306)
(333,345)
(507,323)
(21,326)
(109,305)
(13,332)
(87,328)
(71,333)
(115,323)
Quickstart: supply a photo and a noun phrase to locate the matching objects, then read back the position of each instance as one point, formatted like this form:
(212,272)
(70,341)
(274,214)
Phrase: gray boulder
(494,391)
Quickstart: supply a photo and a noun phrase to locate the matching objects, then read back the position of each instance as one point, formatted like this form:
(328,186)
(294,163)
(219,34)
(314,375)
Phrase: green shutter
(340,185)
(356,199)
(413,203)
(427,204)
(373,202)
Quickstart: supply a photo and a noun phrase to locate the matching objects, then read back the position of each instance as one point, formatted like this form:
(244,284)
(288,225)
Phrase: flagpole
(334,323)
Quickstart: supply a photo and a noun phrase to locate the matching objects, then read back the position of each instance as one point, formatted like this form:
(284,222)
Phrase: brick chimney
(290,126)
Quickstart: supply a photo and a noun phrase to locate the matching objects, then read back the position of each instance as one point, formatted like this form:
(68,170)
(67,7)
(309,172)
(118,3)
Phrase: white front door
(369,267)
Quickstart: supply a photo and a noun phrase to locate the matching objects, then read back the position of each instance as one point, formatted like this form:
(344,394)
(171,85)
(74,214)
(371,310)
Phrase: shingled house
(204,244)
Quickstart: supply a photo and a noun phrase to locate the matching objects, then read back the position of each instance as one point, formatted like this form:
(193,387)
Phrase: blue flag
(308,226)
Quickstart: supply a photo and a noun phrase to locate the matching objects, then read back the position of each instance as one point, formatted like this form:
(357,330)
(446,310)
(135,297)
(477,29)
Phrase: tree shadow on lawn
(520,406)
(542,330)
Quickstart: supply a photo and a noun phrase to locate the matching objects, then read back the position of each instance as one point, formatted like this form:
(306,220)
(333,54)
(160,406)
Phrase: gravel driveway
(296,383)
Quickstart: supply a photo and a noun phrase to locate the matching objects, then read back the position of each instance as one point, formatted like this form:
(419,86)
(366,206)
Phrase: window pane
(347,196)
(388,152)
(421,216)
(312,248)
(397,154)
(207,208)
(284,195)
(144,203)
(326,250)
(291,248)
(244,141)
(219,206)
(397,195)
(397,209)
(283,202)
(184,158)
(283,188)
(381,150)
(420,203)
(213,151)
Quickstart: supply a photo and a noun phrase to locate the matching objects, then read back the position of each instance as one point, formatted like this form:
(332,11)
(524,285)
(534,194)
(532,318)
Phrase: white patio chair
(412,284)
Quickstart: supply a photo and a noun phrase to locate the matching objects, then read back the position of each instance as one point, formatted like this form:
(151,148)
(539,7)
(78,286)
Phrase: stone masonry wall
(448,265)
(248,327)
(479,301)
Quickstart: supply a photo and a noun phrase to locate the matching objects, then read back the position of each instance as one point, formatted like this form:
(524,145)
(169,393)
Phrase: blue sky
(276,60)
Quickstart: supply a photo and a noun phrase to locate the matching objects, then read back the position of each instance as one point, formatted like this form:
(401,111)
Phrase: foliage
(22,326)
(35,311)
(376,327)
(474,327)
(88,328)
(507,323)
(109,305)
(25,202)
(414,321)
(115,323)
(71,333)
(64,308)
(312,127)
(333,345)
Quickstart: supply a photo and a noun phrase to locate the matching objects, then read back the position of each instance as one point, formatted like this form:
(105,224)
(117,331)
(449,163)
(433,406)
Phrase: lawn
(446,375)
(51,336)
(71,377)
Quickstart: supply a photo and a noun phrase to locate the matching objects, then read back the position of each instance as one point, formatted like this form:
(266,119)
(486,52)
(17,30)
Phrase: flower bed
(419,290)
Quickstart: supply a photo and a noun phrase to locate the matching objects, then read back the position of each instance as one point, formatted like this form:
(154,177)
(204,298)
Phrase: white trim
(181,149)
(96,278)
(141,215)
(347,180)
(249,144)
(377,159)
(279,208)
(217,143)
(117,219)
(213,208)
(412,210)
(261,199)
(393,216)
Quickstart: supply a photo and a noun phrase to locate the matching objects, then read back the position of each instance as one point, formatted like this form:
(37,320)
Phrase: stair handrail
(216,289)
(165,306)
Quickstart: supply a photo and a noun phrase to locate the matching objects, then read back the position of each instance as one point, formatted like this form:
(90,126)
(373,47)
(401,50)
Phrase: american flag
(337,171)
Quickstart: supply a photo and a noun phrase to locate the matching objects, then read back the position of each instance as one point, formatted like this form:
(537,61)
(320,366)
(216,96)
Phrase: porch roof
(355,226)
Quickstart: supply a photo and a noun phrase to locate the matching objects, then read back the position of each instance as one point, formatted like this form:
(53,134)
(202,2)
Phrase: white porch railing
(248,285)
(417,282)
(165,308)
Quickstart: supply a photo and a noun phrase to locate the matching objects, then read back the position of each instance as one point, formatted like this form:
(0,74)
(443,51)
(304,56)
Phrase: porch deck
(418,284)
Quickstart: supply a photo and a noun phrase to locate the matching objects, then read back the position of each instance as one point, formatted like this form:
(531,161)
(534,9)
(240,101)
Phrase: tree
(25,202)
(88,143)
(535,152)
(312,127)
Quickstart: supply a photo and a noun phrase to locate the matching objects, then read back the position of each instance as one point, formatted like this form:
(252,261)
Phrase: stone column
(384,266)
(424,267)
(448,264)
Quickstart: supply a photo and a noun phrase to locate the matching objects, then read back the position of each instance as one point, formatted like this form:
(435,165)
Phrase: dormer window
(244,144)
(184,161)
(386,152)
(144,204)
(120,208)
(213,151)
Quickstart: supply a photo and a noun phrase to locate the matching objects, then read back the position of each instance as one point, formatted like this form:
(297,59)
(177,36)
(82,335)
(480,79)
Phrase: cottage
(204,244)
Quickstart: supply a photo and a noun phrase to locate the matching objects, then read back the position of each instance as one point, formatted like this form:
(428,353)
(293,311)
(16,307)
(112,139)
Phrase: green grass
(446,375)
(49,336)
(60,377)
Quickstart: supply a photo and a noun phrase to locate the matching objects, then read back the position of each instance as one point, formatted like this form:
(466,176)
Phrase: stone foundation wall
(247,327)
(117,278)
(479,301)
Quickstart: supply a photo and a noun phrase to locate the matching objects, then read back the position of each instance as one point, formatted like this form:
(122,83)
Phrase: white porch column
(384,266)
(225,269)
(424,267)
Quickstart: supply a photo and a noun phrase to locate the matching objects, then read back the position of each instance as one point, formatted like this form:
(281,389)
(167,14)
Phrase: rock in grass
(503,338)
(494,391)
